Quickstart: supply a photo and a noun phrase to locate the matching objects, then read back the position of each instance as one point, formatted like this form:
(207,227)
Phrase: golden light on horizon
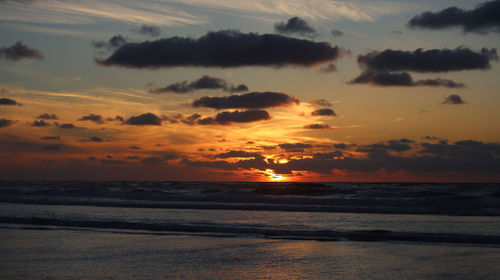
(273,177)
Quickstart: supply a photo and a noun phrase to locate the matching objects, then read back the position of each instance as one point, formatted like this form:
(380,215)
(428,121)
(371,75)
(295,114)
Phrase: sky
(222,90)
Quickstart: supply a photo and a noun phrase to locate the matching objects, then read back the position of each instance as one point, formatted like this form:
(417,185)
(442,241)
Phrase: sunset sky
(263,90)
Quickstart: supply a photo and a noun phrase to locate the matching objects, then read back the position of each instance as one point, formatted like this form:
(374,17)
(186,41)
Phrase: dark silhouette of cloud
(251,100)
(51,137)
(336,33)
(9,102)
(227,118)
(153,161)
(329,155)
(205,82)
(226,48)
(93,118)
(20,51)
(295,147)
(323,112)
(317,126)
(484,18)
(453,99)
(96,139)
(54,147)
(113,43)
(113,161)
(117,118)
(434,60)
(40,123)
(144,119)
(134,147)
(5,123)
(66,126)
(236,154)
(150,30)
(295,25)
(47,116)
(320,102)
(403,79)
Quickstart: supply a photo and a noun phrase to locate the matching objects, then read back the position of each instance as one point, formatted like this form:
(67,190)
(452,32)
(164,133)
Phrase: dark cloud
(484,18)
(117,118)
(340,146)
(66,126)
(205,82)
(47,116)
(236,154)
(453,99)
(54,147)
(434,60)
(321,103)
(295,147)
(324,112)
(93,118)
(150,30)
(113,43)
(96,139)
(329,155)
(113,161)
(153,161)
(295,25)
(51,137)
(9,102)
(132,157)
(226,118)
(317,126)
(144,119)
(5,123)
(381,149)
(226,48)
(402,79)
(251,100)
(20,51)
(40,123)
(133,147)
(336,33)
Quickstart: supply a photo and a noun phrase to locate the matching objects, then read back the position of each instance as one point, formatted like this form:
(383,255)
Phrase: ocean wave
(227,230)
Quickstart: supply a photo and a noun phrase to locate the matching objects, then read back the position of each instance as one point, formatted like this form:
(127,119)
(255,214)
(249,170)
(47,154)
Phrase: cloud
(54,147)
(329,155)
(40,123)
(379,67)
(317,126)
(482,19)
(205,82)
(153,161)
(453,99)
(295,147)
(238,154)
(113,161)
(113,43)
(5,123)
(20,51)
(51,137)
(9,102)
(134,147)
(295,25)
(227,118)
(324,112)
(402,79)
(150,30)
(320,102)
(96,139)
(433,60)
(144,119)
(336,33)
(252,100)
(47,116)
(66,126)
(93,118)
(225,48)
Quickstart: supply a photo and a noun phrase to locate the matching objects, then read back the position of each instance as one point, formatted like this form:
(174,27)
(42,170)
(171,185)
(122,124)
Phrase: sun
(273,177)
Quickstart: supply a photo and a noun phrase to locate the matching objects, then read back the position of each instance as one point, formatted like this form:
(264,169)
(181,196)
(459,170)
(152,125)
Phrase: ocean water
(175,230)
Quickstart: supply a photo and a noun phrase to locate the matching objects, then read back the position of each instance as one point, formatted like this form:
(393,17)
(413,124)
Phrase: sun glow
(273,177)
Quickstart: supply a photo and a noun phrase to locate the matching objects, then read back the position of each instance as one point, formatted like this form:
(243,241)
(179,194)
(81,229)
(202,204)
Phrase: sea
(249,230)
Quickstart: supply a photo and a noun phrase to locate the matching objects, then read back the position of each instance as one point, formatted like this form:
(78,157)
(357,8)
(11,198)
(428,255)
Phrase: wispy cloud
(89,11)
